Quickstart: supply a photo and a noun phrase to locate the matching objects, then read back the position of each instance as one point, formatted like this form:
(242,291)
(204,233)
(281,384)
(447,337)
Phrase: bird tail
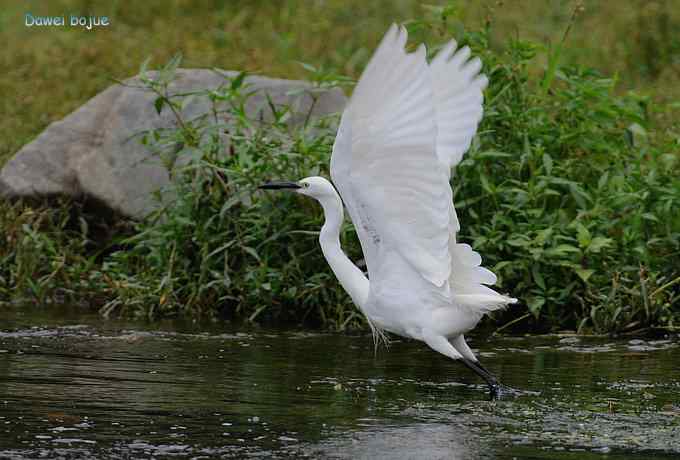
(470,282)
(483,303)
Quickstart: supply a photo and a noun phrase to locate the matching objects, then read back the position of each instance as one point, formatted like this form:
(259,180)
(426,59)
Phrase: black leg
(496,389)
(489,378)
(483,368)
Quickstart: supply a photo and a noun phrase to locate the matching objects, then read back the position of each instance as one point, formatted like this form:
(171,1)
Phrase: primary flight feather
(408,123)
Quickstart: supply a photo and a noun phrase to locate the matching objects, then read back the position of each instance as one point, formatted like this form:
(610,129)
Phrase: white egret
(406,126)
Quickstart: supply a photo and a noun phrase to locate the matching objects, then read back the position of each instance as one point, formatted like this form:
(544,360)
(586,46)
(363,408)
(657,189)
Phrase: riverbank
(569,192)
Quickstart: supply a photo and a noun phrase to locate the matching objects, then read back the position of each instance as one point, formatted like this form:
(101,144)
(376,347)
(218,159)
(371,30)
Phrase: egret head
(315,187)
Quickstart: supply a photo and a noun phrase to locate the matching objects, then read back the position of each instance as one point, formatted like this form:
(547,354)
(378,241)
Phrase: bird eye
(305,184)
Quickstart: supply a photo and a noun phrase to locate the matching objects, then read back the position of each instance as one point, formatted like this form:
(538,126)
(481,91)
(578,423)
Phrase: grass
(570,191)
(51,72)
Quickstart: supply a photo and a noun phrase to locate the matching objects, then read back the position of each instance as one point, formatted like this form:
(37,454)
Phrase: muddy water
(78,387)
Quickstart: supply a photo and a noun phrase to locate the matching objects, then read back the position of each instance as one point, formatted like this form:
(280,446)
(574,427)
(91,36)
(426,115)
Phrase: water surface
(74,386)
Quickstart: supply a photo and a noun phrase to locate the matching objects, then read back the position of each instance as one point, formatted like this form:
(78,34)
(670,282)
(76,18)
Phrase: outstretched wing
(457,87)
(407,124)
(385,162)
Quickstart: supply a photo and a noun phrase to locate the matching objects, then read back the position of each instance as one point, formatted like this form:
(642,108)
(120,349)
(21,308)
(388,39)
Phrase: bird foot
(498,391)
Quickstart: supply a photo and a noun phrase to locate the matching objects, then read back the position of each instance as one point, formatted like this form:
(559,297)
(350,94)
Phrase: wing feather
(407,124)
(458,94)
(458,88)
(385,162)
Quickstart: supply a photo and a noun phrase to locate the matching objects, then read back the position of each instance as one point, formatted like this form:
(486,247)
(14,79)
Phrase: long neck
(351,278)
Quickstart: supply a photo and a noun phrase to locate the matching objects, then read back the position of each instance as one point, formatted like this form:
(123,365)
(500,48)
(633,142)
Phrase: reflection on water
(413,441)
(79,388)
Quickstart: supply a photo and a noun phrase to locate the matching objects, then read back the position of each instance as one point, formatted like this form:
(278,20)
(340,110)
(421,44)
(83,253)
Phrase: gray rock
(95,153)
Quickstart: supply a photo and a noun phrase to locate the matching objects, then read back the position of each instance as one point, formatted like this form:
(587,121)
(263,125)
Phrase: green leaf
(486,185)
(562,250)
(257,312)
(158,104)
(167,73)
(547,163)
(173,63)
(538,278)
(237,82)
(584,273)
(231,202)
(252,252)
(580,196)
(584,236)
(500,265)
(491,154)
(535,305)
(635,135)
(553,63)
(308,67)
(520,241)
(186,101)
(598,243)
(603,180)
(220,249)
(145,65)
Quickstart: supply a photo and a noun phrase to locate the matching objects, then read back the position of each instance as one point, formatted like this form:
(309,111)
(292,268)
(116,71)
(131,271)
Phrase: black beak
(279,185)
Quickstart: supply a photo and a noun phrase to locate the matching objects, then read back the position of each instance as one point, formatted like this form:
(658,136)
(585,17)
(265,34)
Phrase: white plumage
(407,124)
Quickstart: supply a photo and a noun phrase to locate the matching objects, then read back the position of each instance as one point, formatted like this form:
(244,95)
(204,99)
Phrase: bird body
(408,123)
(398,299)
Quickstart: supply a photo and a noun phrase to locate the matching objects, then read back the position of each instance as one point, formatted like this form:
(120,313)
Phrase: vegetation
(570,192)
(49,72)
